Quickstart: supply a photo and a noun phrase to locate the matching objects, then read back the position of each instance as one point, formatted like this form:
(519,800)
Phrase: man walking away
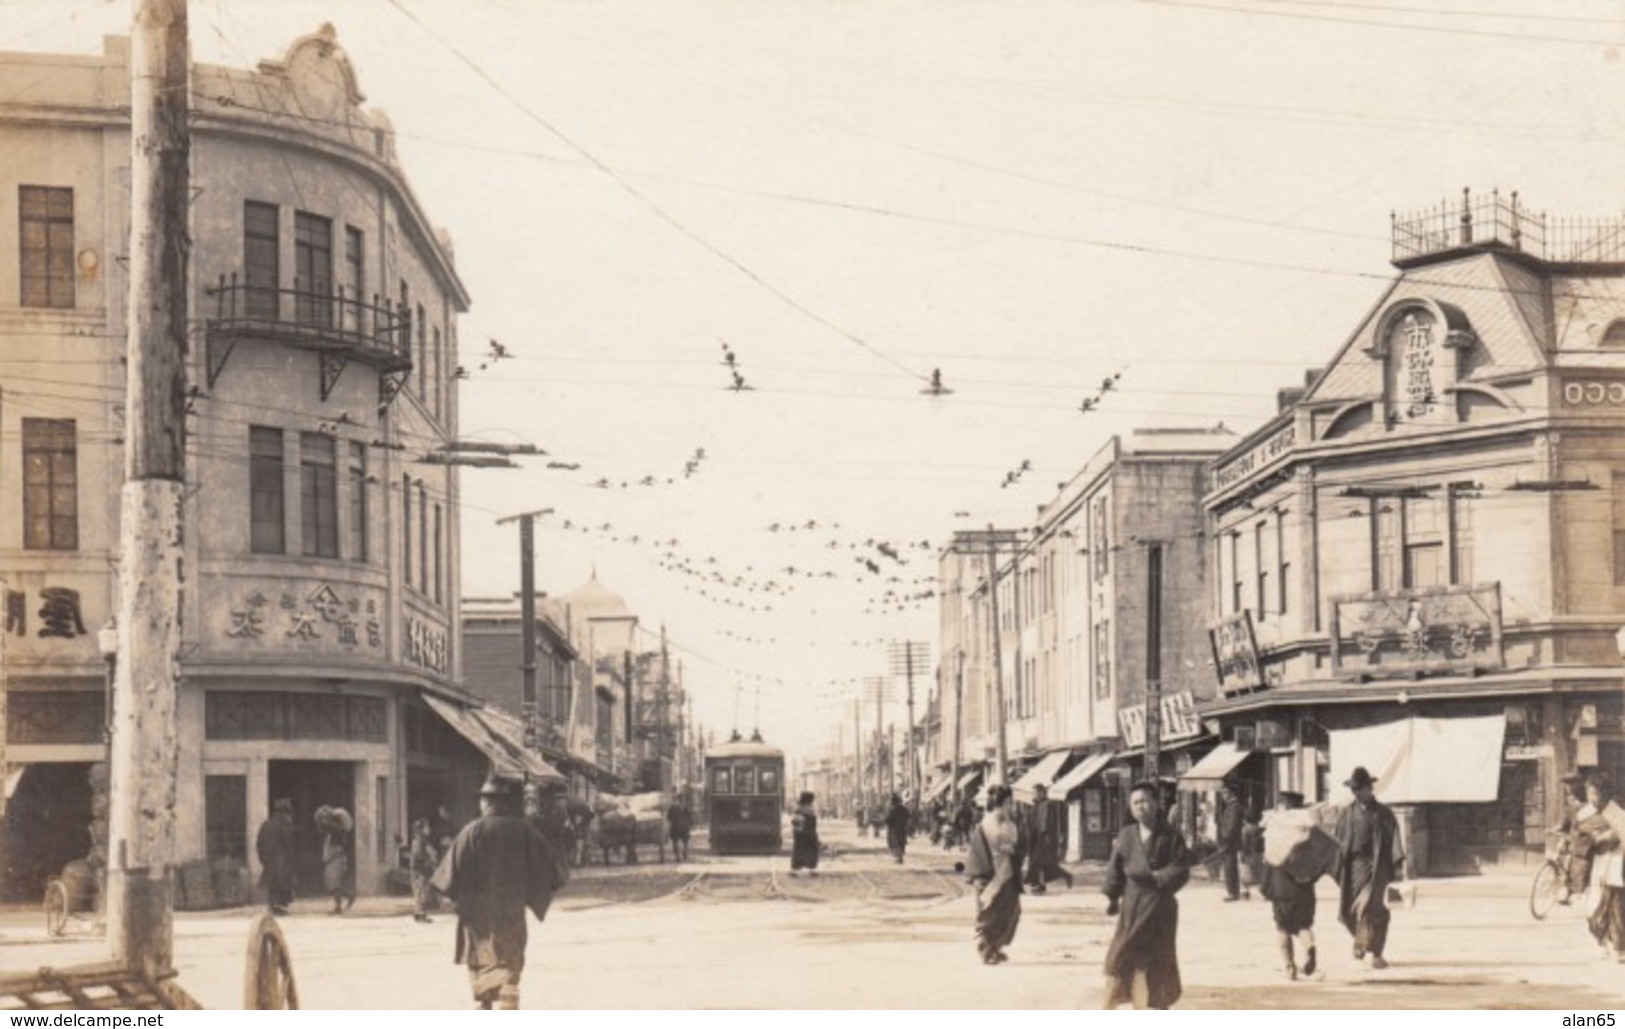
(1043,851)
(496,868)
(1296,853)
(679,824)
(336,826)
(274,846)
(1371,858)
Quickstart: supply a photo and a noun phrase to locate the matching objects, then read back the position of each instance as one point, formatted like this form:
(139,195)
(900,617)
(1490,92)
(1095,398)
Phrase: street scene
(1098,505)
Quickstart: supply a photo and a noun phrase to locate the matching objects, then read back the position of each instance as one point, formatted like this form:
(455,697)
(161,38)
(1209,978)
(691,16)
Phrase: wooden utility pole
(959,724)
(1153,662)
(1002,755)
(527,620)
(145,744)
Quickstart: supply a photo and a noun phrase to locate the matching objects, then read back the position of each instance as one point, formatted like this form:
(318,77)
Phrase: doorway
(47,825)
(311,784)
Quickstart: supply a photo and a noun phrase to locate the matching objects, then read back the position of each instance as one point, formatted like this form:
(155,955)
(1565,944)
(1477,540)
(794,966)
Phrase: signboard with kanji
(1436,629)
(1235,653)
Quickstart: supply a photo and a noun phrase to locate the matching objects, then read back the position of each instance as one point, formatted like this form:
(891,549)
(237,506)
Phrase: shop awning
(937,788)
(1041,774)
(1418,760)
(1080,775)
(1215,765)
(494,739)
(966,780)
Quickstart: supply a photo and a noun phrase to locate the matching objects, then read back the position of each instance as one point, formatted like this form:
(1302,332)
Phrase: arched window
(1615,334)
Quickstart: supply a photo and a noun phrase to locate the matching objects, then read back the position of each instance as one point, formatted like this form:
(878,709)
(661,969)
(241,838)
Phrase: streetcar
(744,795)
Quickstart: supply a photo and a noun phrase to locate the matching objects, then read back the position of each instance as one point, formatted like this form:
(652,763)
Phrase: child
(423,861)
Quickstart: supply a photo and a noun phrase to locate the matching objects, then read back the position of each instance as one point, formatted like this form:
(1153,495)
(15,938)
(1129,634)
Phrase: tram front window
(770,780)
(722,780)
(745,779)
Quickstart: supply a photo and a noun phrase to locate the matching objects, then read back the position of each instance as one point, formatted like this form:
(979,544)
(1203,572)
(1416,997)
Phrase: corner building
(321,514)
(1419,564)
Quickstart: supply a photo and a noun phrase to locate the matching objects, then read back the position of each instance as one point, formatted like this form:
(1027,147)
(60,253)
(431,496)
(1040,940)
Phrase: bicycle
(1551,885)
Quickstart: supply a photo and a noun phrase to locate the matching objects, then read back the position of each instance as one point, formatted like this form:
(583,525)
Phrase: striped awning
(1080,775)
(1041,774)
(492,735)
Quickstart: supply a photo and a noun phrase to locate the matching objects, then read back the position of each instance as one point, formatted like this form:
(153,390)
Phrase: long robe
(897,819)
(998,900)
(1370,857)
(1043,861)
(1142,877)
(1605,896)
(497,867)
(804,838)
(274,846)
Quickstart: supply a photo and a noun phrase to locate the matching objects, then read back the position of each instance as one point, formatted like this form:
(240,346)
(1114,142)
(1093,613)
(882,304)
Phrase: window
(265,490)
(313,268)
(318,494)
(1260,570)
(423,354)
(1615,334)
(722,780)
(358,501)
(404,322)
(50,484)
(262,268)
(744,779)
(437,550)
(45,225)
(770,781)
(1282,564)
(406,529)
(355,283)
(434,372)
(1235,571)
(1425,562)
(423,537)
(225,817)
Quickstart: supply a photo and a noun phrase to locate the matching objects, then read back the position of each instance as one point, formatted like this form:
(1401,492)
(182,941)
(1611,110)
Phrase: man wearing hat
(274,847)
(497,867)
(1371,857)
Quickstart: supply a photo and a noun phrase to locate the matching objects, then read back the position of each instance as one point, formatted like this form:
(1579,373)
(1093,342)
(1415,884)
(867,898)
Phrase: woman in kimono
(1601,819)
(995,866)
(1149,864)
(804,836)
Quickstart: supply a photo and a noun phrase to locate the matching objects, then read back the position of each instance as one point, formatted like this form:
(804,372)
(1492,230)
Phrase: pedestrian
(1043,845)
(1290,885)
(993,863)
(275,846)
(422,861)
(860,816)
(335,825)
(1577,873)
(496,868)
(1149,864)
(1231,821)
(804,836)
(1252,850)
(679,824)
(897,820)
(1371,856)
(1604,822)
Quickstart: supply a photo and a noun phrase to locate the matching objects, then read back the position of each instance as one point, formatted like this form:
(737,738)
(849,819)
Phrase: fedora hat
(1360,779)
(500,786)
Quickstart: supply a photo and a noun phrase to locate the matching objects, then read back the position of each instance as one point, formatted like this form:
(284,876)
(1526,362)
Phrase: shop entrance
(310,784)
(47,825)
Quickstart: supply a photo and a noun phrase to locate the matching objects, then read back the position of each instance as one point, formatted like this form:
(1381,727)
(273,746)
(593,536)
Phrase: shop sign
(1586,393)
(1437,629)
(1272,447)
(326,618)
(1178,720)
(1528,751)
(59,613)
(1235,653)
(425,645)
(1270,734)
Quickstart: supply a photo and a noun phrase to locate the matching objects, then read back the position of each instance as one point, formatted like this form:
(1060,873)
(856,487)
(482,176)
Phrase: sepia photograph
(808,505)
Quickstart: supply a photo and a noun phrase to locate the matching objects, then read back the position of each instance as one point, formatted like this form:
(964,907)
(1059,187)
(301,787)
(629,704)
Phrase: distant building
(1418,566)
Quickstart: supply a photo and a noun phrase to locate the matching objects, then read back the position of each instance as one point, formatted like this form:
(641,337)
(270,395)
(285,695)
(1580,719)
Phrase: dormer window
(1614,336)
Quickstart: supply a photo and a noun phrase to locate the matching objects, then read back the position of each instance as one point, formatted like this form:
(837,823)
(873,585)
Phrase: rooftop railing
(1497,221)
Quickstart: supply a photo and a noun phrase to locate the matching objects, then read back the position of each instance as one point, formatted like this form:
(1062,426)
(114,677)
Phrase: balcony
(1500,223)
(337,327)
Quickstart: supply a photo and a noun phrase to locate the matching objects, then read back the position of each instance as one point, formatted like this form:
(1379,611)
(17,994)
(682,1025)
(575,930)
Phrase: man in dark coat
(1149,864)
(679,825)
(1232,819)
(1043,857)
(897,824)
(1370,857)
(274,846)
(804,835)
(497,867)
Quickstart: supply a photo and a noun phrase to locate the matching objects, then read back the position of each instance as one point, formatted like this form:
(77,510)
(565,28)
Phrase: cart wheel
(268,978)
(56,907)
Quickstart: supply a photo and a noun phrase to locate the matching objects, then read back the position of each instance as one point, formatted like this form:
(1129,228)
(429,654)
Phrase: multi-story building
(1103,594)
(321,515)
(1419,564)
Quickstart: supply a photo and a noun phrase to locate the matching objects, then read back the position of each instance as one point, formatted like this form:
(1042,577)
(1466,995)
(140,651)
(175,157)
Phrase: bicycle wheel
(1543,893)
(56,908)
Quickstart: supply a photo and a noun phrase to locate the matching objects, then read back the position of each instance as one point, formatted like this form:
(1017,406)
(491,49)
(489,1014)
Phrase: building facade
(321,511)
(1419,565)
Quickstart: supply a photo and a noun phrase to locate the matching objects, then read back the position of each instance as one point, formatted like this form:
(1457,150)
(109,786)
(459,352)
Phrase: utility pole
(527,619)
(1153,662)
(1002,759)
(857,743)
(959,723)
(145,733)
(631,717)
(905,655)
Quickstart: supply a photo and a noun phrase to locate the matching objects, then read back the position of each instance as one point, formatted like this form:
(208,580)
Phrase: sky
(847,195)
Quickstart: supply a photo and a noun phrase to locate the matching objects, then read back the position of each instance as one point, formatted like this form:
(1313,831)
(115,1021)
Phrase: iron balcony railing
(321,314)
(1501,221)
